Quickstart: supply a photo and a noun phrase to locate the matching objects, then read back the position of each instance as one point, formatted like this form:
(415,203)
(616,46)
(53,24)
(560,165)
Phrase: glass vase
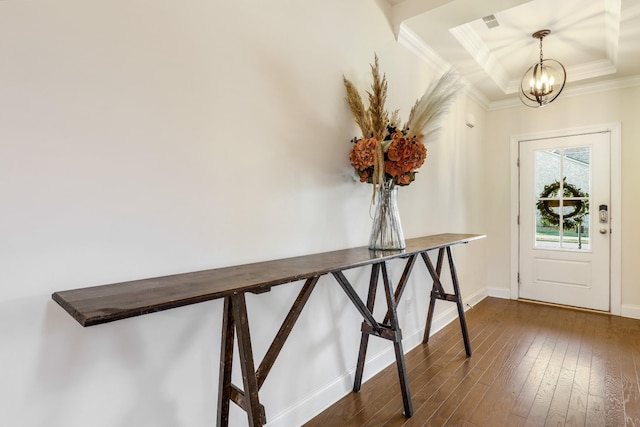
(386,232)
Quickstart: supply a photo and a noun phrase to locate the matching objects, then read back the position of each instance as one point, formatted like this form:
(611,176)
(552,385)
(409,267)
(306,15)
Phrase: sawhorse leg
(388,329)
(437,292)
(235,321)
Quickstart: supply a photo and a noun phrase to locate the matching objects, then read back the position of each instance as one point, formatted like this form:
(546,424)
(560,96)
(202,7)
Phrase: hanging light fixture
(544,80)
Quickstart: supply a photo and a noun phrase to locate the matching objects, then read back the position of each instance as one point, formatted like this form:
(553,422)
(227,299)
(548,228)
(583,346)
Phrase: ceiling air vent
(491,21)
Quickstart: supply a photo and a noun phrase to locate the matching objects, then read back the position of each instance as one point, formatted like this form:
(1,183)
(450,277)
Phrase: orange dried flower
(362,153)
(404,155)
(404,179)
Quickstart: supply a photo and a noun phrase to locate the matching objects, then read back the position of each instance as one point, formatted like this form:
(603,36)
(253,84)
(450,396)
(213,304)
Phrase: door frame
(615,220)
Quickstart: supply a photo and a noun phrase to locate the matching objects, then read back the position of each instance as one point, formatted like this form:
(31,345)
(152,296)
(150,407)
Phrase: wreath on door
(570,220)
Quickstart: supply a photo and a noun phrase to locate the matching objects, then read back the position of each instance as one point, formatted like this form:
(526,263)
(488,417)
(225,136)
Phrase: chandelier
(544,80)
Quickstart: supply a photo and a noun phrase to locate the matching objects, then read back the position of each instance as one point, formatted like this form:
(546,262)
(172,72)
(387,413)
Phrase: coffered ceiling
(489,41)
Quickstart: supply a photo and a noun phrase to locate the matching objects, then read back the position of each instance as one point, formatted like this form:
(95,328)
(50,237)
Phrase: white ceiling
(598,41)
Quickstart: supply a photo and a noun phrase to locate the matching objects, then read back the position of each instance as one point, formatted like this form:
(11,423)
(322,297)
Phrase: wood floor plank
(532,365)
(514,421)
(467,405)
(507,389)
(498,399)
(580,386)
(431,371)
(632,409)
(595,411)
(539,410)
(614,400)
(559,406)
(497,402)
(630,389)
(575,418)
(444,400)
(529,390)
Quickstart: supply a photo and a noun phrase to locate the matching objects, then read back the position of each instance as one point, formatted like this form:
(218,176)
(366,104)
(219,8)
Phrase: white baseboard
(503,293)
(311,405)
(632,311)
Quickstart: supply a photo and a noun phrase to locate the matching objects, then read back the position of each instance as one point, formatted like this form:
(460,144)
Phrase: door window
(562,180)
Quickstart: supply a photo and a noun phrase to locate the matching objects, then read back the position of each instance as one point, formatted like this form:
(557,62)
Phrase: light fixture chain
(541,49)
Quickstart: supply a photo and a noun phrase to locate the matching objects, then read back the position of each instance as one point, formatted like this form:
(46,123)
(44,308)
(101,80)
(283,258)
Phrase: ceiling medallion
(544,80)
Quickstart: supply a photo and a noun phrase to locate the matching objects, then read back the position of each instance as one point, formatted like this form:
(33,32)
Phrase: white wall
(143,138)
(621,105)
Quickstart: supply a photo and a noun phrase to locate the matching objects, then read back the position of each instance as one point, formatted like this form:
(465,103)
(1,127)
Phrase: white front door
(564,220)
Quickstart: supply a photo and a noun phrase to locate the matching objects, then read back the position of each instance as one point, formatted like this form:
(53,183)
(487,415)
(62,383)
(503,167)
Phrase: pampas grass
(377,98)
(358,111)
(424,118)
(426,114)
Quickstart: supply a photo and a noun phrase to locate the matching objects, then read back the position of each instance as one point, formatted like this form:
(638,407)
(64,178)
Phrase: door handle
(603,231)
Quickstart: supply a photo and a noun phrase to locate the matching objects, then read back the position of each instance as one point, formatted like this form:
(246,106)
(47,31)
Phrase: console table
(107,303)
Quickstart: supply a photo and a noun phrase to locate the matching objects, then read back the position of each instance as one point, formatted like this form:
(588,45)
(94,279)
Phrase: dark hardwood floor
(532,365)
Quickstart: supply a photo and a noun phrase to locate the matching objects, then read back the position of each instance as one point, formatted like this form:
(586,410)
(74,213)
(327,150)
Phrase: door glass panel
(576,168)
(562,202)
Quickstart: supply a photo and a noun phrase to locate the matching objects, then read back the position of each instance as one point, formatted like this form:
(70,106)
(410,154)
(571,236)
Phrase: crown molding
(612,19)
(604,86)
(585,89)
(590,70)
(418,47)
(478,50)
(474,94)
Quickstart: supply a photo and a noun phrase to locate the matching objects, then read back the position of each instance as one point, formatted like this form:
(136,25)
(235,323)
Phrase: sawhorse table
(107,303)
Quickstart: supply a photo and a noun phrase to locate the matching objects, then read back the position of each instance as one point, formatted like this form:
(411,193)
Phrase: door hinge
(518,162)
(518,219)
(518,277)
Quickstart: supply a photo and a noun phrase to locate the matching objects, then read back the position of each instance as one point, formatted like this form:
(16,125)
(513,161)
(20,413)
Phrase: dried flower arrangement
(388,153)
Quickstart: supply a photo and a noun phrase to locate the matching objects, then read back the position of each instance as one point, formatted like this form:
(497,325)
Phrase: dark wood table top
(106,303)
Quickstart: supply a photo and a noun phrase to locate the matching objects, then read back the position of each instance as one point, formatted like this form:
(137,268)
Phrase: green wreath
(569,220)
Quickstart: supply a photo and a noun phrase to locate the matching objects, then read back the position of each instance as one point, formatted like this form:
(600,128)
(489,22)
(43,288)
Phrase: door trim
(615,274)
